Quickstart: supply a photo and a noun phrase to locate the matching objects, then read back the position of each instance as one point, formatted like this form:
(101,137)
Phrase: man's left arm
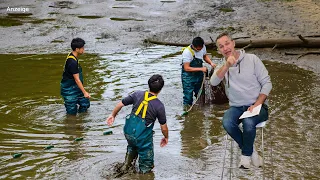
(264,80)
(207,59)
(163,125)
(260,100)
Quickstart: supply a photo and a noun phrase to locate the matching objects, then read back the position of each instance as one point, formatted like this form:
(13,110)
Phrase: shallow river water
(32,116)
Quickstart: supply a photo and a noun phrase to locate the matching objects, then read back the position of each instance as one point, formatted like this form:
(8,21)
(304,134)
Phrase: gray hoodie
(245,80)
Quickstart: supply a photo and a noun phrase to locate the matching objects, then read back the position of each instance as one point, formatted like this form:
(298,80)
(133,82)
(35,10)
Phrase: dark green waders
(140,139)
(191,81)
(72,94)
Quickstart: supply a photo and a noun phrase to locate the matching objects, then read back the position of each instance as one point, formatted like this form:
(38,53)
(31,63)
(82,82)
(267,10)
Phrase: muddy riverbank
(116,26)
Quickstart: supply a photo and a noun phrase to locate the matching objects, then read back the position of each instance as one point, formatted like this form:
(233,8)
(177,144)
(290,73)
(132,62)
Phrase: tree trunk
(258,43)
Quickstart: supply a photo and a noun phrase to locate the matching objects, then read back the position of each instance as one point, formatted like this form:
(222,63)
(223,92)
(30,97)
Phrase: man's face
(225,46)
(80,50)
(197,48)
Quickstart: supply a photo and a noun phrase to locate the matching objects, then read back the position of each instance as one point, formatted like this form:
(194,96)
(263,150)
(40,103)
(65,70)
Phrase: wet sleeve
(73,66)
(129,99)
(162,115)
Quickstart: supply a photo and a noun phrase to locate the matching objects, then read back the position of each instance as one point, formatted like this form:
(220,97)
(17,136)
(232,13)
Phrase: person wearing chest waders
(192,70)
(71,85)
(139,124)
(247,85)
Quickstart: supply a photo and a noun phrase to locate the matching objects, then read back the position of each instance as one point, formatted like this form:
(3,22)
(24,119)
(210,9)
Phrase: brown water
(33,116)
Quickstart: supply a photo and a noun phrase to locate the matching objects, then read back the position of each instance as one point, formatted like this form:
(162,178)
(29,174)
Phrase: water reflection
(192,134)
(73,129)
(33,116)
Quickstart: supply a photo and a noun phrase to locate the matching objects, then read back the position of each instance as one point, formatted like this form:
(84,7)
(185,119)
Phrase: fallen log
(302,54)
(316,35)
(257,43)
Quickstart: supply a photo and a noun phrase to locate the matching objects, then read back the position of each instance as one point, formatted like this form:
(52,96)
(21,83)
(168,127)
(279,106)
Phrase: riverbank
(117,26)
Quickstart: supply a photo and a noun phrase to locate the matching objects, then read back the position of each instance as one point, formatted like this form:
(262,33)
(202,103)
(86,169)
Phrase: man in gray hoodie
(247,86)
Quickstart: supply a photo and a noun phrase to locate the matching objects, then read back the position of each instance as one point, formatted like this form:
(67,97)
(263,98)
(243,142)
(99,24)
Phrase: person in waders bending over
(71,85)
(192,69)
(247,86)
(139,124)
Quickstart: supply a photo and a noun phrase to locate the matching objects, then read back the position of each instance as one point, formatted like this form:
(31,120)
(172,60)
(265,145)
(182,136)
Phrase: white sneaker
(245,162)
(257,160)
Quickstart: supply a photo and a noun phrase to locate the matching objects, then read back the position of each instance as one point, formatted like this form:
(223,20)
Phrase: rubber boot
(129,162)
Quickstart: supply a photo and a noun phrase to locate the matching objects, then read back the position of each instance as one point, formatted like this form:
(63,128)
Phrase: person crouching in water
(139,124)
(71,85)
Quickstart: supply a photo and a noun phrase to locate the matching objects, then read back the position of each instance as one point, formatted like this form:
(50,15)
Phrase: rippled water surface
(33,116)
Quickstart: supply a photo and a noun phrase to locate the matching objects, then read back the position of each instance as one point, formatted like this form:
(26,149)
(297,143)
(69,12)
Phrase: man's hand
(252,106)
(164,142)
(213,65)
(114,113)
(231,61)
(165,132)
(110,120)
(204,69)
(260,100)
(87,95)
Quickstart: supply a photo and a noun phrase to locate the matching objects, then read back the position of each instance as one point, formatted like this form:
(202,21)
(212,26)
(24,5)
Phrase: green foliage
(17,19)
(171,55)
(8,22)
(57,41)
(19,15)
(51,13)
(226,9)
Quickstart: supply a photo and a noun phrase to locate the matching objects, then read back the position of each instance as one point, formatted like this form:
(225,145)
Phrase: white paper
(254,112)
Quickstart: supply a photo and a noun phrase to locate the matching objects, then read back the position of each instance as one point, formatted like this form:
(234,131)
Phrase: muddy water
(33,117)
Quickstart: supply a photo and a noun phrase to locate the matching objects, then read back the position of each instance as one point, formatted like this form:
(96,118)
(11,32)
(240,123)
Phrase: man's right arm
(124,102)
(163,125)
(114,113)
(218,76)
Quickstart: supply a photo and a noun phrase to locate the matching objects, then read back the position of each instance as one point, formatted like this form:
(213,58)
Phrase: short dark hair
(155,83)
(223,34)
(197,42)
(77,43)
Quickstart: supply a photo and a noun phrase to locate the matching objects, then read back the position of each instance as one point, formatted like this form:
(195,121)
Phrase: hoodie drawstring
(229,74)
